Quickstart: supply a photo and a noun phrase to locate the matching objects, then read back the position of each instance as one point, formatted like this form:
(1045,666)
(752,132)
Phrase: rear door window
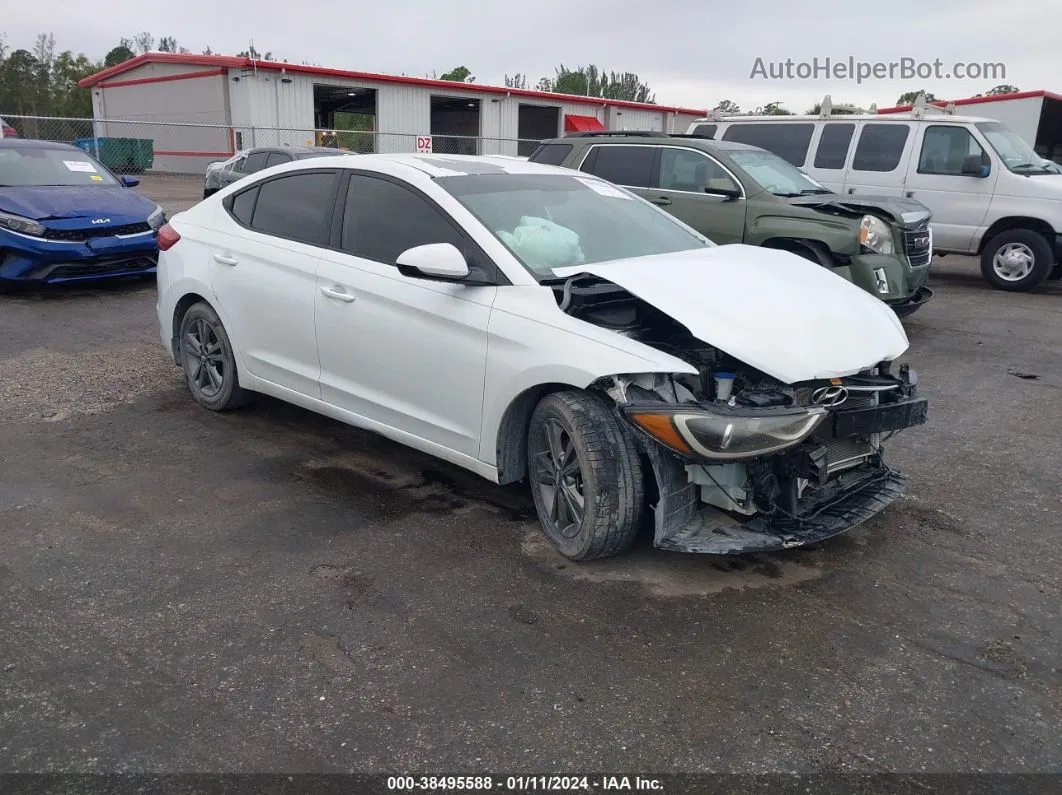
(880,147)
(786,139)
(630,166)
(832,151)
(551,154)
(276,158)
(297,207)
(255,162)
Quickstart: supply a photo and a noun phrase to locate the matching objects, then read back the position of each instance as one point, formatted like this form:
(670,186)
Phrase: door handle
(339,295)
(663,201)
(224,259)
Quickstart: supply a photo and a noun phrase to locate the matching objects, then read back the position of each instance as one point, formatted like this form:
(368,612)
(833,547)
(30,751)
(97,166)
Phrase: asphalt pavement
(269,590)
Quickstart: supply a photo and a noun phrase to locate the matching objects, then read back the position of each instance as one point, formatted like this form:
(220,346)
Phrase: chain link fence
(133,146)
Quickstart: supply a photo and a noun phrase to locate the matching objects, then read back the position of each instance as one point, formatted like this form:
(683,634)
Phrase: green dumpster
(121,155)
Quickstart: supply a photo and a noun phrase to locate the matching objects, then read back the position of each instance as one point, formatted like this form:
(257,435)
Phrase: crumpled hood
(908,213)
(775,311)
(39,204)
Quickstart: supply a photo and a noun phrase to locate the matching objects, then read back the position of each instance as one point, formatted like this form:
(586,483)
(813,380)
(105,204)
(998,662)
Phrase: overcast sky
(692,53)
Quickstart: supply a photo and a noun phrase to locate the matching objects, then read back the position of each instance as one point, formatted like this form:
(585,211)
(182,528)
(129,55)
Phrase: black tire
(204,372)
(608,476)
(1025,243)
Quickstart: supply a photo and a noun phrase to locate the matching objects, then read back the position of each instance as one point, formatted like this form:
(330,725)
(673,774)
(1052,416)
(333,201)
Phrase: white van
(991,195)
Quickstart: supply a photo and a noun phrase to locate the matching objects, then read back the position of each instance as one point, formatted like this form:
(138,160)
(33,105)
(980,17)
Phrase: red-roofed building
(270,103)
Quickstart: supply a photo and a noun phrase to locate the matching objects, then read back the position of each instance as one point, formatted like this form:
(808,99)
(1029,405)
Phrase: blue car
(64,217)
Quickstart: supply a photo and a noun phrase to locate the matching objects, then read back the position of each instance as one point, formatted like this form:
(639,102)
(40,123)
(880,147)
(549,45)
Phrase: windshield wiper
(814,192)
(1040,166)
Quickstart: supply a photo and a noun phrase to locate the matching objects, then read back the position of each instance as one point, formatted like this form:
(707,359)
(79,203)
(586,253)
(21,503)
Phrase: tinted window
(786,140)
(276,158)
(687,170)
(880,147)
(833,145)
(707,130)
(944,149)
(298,207)
(239,164)
(382,219)
(255,162)
(243,206)
(624,165)
(551,154)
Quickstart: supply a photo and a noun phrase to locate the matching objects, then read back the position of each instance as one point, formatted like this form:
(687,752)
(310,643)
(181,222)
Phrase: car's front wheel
(208,361)
(1017,260)
(586,476)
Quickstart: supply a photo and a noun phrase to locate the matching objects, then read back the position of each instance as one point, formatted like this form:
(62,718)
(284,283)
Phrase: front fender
(838,235)
(532,343)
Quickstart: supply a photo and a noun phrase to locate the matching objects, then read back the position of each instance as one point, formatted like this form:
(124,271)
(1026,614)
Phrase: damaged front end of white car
(776,442)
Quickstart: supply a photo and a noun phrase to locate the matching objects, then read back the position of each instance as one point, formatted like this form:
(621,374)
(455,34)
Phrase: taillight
(167,237)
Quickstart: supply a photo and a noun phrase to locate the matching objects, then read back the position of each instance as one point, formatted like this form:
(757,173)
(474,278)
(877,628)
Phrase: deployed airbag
(544,245)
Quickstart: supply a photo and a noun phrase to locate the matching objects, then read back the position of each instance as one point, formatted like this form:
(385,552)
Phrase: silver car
(247,161)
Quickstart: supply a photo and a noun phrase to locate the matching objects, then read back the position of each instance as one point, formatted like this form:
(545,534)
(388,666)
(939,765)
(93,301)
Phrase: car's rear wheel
(586,476)
(208,361)
(1017,260)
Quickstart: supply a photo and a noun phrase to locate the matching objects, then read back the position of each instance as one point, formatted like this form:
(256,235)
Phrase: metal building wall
(179,146)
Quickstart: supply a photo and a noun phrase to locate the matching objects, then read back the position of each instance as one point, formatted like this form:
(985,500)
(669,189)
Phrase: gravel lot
(268,590)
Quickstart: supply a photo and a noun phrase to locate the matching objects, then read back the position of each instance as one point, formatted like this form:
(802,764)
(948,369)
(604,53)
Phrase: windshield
(1016,155)
(25,166)
(775,174)
(554,221)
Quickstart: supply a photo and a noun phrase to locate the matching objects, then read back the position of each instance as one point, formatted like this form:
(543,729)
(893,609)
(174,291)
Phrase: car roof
(297,149)
(437,165)
(31,143)
(658,139)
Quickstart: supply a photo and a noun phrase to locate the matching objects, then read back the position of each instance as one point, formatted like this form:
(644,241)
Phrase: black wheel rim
(204,358)
(558,479)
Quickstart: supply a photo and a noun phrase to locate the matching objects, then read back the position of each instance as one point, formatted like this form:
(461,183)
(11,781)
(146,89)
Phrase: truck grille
(72,235)
(918,245)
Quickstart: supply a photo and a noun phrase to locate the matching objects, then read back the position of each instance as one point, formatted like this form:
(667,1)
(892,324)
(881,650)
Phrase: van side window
(707,130)
(880,147)
(833,145)
(786,139)
(945,147)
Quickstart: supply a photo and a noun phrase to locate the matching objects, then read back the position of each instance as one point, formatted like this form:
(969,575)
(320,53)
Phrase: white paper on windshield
(80,165)
(603,188)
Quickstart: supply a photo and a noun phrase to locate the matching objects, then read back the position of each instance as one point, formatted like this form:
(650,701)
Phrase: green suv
(736,193)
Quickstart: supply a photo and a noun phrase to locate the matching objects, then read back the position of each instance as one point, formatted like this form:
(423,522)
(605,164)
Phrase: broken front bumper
(682,523)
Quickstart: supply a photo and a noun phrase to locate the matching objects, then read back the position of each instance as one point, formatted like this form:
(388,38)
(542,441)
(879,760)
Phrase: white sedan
(530,322)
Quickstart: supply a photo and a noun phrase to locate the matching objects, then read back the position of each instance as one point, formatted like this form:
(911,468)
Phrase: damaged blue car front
(64,217)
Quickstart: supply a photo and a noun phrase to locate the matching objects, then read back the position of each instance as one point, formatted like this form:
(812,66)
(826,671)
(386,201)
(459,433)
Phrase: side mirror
(974,166)
(130,182)
(441,261)
(728,193)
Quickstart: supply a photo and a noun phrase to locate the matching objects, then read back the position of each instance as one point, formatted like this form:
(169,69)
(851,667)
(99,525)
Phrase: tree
(1000,90)
(168,44)
(591,81)
(254,55)
(118,55)
(18,77)
(909,97)
(516,81)
(728,106)
(775,109)
(71,101)
(208,51)
(144,42)
(460,74)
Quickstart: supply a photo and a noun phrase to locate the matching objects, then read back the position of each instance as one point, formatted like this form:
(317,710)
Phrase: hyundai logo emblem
(830,395)
(101,220)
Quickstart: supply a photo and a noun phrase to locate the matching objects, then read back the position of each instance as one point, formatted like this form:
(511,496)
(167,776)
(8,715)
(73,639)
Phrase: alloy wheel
(558,476)
(204,358)
(1013,262)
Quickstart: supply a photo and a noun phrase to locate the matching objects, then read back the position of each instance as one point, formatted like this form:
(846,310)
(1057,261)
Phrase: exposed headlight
(875,235)
(157,218)
(727,434)
(16,223)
